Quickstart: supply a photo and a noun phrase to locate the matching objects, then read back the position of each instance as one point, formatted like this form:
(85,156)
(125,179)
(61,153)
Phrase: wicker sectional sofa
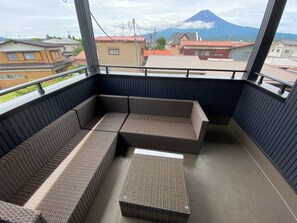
(166,124)
(55,175)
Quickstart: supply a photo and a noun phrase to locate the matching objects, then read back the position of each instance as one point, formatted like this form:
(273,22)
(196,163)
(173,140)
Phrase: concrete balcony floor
(224,183)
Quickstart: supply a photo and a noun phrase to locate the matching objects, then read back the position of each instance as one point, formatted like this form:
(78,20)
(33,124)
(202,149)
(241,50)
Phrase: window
(272,50)
(11,76)
(56,55)
(29,56)
(12,56)
(287,51)
(278,50)
(113,51)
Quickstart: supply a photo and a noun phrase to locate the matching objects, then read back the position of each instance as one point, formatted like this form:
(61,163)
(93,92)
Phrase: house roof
(34,43)
(175,38)
(156,52)
(289,42)
(281,62)
(293,69)
(194,62)
(63,41)
(119,38)
(81,56)
(17,66)
(230,44)
(174,61)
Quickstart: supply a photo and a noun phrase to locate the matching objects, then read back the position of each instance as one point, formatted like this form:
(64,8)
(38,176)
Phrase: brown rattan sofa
(55,175)
(176,125)
(103,112)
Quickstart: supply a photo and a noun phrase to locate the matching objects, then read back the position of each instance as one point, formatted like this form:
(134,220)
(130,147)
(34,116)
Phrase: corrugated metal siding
(272,124)
(17,126)
(216,97)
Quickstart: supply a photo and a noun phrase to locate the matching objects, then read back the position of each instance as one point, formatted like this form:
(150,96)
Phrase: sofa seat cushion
(28,189)
(69,191)
(163,126)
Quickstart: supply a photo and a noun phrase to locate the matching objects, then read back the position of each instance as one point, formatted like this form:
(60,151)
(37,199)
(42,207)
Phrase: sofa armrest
(199,120)
(86,110)
(10,213)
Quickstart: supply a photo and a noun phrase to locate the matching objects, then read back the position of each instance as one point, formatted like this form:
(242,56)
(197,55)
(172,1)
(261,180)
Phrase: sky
(35,18)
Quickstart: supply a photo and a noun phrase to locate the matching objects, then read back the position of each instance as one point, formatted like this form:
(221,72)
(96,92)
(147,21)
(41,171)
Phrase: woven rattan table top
(156,179)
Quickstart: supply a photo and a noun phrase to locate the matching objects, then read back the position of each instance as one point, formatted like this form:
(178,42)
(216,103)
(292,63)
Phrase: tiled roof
(119,38)
(216,43)
(293,69)
(34,65)
(63,41)
(289,42)
(281,62)
(175,38)
(81,56)
(35,43)
(156,52)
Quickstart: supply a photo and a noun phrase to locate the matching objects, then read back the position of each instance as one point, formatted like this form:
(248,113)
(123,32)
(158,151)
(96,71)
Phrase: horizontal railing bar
(39,81)
(170,68)
(275,79)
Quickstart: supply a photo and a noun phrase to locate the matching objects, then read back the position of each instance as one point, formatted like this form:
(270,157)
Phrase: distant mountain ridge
(211,27)
(2,39)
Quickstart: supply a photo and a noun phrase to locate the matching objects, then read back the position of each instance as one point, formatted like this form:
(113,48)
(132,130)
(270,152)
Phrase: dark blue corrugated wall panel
(18,125)
(272,125)
(216,97)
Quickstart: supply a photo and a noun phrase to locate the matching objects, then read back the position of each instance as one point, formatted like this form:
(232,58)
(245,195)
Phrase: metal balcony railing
(284,84)
(186,70)
(40,81)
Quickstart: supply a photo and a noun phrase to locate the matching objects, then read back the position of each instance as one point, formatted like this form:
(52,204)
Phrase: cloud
(35,17)
(196,25)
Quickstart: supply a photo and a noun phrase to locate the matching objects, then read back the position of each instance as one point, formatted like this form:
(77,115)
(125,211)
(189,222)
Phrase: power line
(106,32)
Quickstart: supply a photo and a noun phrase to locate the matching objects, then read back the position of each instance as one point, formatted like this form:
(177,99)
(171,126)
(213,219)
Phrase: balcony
(246,170)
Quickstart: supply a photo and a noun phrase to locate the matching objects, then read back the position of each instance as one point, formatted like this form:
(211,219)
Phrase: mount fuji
(211,27)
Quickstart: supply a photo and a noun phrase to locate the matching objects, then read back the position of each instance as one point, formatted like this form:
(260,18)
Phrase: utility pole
(135,42)
(123,28)
(155,33)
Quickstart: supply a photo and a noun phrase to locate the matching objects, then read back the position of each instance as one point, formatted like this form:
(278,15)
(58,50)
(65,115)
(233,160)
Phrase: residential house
(68,45)
(25,60)
(120,50)
(216,49)
(241,52)
(176,38)
(80,59)
(283,48)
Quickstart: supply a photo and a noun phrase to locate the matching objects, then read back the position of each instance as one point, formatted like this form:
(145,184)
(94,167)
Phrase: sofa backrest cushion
(162,107)
(112,103)
(86,110)
(20,164)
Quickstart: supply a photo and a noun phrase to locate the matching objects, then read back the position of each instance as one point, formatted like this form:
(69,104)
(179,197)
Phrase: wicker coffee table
(155,188)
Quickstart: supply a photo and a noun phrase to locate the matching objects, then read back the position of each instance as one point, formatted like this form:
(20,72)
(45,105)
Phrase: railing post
(188,72)
(86,70)
(107,70)
(145,71)
(260,80)
(233,75)
(282,89)
(40,89)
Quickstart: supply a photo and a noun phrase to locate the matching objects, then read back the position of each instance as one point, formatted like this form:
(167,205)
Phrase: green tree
(77,51)
(160,43)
